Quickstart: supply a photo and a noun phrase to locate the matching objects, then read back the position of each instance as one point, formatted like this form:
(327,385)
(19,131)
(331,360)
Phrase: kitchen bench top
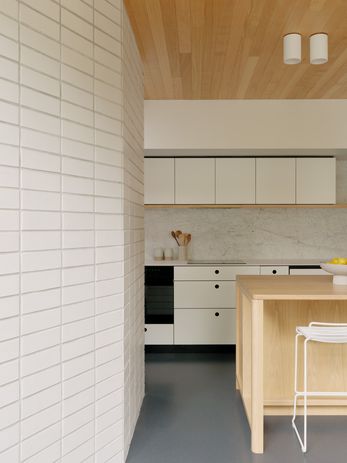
(283,287)
(260,262)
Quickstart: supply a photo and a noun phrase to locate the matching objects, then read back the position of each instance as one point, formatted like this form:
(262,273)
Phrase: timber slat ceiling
(210,49)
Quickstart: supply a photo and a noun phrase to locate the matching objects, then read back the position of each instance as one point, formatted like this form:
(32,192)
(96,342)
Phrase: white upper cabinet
(159,180)
(316,180)
(195,181)
(235,180)
(275,180)
(270,180)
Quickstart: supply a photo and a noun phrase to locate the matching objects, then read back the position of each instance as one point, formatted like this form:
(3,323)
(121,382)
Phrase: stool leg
(297,393)
(295,377)
(304,447)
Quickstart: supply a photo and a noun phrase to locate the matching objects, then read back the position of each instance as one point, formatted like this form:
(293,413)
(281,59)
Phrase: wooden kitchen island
(268,310)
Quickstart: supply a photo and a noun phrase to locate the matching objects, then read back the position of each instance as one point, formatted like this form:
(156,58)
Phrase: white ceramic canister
(158,254)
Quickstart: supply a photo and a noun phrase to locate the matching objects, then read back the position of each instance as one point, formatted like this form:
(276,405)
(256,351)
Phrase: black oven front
(159,294)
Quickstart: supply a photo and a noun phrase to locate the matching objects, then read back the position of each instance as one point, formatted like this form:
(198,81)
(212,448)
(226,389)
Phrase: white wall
(69,265)
(245,124)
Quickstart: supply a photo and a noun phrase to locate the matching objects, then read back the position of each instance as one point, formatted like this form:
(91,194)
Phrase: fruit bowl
(338,270)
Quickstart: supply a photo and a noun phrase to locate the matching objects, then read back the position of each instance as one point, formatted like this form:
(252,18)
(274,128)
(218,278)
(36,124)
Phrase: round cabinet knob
(216,286)
(216,272)
(274,272)
(145,330)
(217,314)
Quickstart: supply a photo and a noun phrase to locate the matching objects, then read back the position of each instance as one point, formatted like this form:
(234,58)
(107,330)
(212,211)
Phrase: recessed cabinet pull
(145,330)
(216,272)
(217,314)
(216,286)
(274,272)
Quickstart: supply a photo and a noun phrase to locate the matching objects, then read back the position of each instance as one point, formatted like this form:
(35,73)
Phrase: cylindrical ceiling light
(319,48)
(292,49)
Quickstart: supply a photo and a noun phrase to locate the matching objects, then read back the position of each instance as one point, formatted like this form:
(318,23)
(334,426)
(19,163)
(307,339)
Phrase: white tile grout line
(61,247)
(94,237)
(19,236)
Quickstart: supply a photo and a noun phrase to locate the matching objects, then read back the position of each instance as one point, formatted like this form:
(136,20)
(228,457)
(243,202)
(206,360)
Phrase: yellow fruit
(338,261)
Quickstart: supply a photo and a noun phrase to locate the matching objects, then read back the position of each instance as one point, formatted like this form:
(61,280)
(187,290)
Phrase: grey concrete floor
(192,414)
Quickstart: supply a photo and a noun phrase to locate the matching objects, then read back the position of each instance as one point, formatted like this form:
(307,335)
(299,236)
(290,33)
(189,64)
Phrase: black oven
(159,294)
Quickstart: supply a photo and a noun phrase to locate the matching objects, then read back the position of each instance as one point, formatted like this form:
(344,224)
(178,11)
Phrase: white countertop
(270,262)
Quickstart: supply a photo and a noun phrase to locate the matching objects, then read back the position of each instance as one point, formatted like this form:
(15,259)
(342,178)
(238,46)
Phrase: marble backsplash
(250,233)
(254,233)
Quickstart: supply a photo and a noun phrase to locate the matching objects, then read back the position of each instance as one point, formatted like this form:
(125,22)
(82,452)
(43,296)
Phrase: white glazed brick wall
(134,233)
(71,239)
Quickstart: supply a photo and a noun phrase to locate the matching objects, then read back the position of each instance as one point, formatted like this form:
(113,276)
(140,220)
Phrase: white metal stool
(318,332)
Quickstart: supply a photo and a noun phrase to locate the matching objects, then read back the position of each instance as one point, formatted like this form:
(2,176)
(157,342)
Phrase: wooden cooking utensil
(174,236)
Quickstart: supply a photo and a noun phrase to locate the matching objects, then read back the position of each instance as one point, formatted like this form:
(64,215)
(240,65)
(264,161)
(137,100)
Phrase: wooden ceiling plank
(208,62)
(168,8)
(235,39)
(247,75)
(198,21)
(186,73)
(323,85)
(183,26)
(221,34)
(158,33)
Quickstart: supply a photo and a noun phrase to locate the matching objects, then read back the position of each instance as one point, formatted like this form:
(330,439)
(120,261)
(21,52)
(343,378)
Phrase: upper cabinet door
(275,180)
(159,180)
(235,181)
(194,180)
(316,180)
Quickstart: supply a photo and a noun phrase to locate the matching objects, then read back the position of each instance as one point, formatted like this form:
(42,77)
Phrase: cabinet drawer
(205,326)
(213,272)
(308,271)
(158,334)
(204,294)
(278,270)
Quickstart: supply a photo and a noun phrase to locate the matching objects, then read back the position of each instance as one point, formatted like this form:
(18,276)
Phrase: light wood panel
(210,49)
(327,362)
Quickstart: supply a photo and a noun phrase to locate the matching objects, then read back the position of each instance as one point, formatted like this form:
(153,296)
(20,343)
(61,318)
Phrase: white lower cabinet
(204,294)
(159,334)
(205,302)
(223,272)
(278,270)
(308,271)
(205,326)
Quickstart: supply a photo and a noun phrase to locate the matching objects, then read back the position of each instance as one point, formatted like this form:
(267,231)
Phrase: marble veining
(251,233)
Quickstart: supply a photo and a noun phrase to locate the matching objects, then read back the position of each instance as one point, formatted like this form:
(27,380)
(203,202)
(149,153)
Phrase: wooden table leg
(238,340)
(257,426)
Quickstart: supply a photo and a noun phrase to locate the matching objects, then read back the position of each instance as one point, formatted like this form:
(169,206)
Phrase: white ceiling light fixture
(319,48)
(292,48)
